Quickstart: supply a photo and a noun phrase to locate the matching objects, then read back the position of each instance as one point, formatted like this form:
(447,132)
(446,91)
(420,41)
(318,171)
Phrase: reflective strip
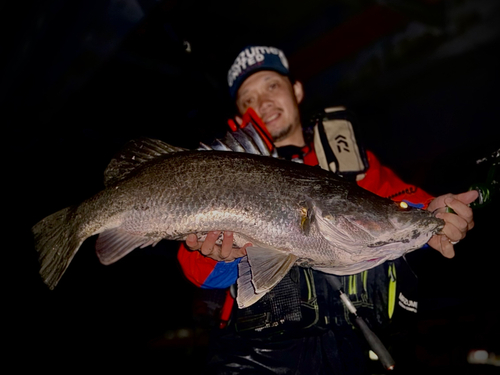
(309,285)
(353,283)
(364,275)
(353,287)
(392,289)
(312,301)
(356,295)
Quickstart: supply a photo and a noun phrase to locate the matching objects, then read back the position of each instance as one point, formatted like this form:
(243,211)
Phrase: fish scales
(291,213)
(215,190)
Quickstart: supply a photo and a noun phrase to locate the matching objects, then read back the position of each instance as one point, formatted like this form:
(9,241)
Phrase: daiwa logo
(407,304)
(342,140)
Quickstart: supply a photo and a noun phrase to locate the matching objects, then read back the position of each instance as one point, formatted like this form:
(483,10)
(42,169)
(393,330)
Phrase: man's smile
(268,119)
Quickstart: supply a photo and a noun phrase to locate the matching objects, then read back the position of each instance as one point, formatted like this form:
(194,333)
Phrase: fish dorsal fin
(135,153)
(246,139)
(259,272)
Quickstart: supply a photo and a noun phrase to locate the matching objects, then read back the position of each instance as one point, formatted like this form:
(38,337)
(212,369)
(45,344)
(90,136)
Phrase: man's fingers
(462,211)
(208,245)
(455,227)
(243,250)
(446,247)
(442,243)
(192,242)
(227,245)
(468,197)
(229,253)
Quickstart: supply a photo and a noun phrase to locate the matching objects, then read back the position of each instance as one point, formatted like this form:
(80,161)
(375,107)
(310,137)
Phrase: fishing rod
(374,342)
(488,189)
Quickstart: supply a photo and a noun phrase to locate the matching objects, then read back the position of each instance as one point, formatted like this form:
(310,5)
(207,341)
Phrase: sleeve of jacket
(205,272)
(385,183)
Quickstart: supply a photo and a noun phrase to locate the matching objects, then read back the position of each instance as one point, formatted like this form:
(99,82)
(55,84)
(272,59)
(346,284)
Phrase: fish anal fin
(246,295)
(114,244)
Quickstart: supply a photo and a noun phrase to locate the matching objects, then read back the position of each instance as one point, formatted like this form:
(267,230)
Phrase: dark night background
(80,78)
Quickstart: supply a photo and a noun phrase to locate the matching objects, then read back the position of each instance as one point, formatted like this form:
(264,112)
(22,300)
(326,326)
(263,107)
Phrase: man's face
(275,100)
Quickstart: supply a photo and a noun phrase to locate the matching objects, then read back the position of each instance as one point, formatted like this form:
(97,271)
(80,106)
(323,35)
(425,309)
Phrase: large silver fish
(291,213)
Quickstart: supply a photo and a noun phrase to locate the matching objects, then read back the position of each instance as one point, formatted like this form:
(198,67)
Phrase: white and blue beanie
(252,59)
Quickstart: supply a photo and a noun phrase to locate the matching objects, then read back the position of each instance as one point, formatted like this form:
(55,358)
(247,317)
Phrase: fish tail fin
(56,242)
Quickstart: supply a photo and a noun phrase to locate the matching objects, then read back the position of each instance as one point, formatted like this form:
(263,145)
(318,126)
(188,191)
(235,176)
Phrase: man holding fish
(302,327)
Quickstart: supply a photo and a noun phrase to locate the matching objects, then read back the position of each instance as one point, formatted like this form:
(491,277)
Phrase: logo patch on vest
(407,304)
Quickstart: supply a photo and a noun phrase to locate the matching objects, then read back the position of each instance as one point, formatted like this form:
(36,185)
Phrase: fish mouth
(439,228)
(410,233)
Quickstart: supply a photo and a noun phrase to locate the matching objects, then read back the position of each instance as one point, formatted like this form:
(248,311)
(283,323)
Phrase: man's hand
(456,224)
(209,248)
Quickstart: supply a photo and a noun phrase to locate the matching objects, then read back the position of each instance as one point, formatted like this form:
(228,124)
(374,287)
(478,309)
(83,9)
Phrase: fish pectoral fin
(259,272)
(114,244)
